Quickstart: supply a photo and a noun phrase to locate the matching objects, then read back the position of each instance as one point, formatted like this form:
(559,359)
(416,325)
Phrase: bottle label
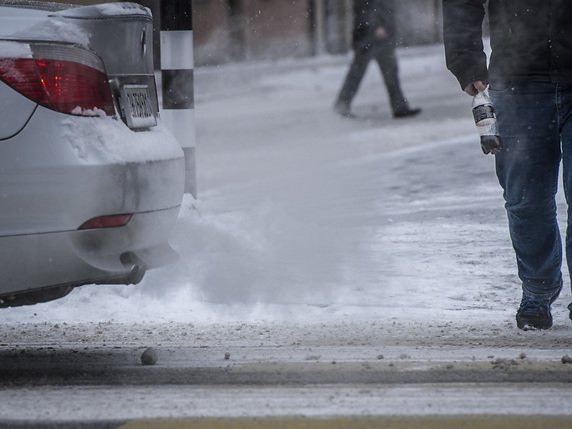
(489,129)
(483,112)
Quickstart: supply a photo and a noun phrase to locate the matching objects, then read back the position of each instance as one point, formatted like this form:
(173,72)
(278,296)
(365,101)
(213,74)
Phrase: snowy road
(377,244)
(303,215)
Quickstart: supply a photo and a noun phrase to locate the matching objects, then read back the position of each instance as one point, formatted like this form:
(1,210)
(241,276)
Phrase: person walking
(374,38)
(529,80)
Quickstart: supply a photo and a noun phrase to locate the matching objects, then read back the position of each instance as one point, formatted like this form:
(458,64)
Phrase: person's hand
(380,33)
(474,88)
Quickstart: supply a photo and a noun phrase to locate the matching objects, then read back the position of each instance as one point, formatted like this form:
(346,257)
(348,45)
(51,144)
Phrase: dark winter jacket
(531,40)
(370,15)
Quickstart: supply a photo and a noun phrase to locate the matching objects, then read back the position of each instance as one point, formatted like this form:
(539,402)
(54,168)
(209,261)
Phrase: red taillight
(112,221)
(66,79)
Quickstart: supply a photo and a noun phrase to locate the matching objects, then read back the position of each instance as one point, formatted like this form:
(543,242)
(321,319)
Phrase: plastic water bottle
(486,121)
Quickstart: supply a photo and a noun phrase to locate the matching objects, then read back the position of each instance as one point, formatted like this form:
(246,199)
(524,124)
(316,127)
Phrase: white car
(90,182)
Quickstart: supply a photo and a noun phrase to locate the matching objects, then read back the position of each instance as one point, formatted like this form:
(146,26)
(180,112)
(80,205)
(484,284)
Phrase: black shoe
(343,109)
(534,310)
(407,112)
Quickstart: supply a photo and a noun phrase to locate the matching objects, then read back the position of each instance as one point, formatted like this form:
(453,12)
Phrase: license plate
(137,106)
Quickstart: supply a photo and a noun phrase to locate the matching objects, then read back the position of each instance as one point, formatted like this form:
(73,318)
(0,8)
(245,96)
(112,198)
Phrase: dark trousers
(535,124)
(384,55)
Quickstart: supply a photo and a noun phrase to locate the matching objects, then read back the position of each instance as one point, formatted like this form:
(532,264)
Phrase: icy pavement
(307,217)
(178,402)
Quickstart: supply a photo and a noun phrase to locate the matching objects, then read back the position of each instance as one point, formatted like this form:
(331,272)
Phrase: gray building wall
(242,30)
(418,22)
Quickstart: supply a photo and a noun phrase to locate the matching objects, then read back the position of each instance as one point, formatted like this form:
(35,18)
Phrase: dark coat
(368,16)
(531,40)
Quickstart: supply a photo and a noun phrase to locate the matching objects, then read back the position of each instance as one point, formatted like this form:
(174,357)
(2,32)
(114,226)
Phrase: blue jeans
(535,124)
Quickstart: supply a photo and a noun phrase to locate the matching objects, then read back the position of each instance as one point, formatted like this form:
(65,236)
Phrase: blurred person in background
(374,38)
(530,78)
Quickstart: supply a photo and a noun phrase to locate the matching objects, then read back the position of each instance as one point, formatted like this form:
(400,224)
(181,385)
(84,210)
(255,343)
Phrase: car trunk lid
(122,33)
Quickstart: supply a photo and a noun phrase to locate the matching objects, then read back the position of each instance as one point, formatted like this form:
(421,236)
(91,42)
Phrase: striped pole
(177,80)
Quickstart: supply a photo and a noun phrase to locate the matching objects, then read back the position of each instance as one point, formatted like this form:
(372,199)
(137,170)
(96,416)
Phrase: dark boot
(406,112)
(343,109)
(534,311)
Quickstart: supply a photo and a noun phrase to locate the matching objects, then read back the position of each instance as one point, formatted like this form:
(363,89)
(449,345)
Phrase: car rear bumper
(60,172)
(73,258)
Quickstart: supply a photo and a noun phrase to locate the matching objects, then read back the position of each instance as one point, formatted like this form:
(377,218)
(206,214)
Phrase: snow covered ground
(307,217)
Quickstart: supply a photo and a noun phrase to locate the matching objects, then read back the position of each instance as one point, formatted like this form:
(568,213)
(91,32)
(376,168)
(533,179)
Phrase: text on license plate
(137,106)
